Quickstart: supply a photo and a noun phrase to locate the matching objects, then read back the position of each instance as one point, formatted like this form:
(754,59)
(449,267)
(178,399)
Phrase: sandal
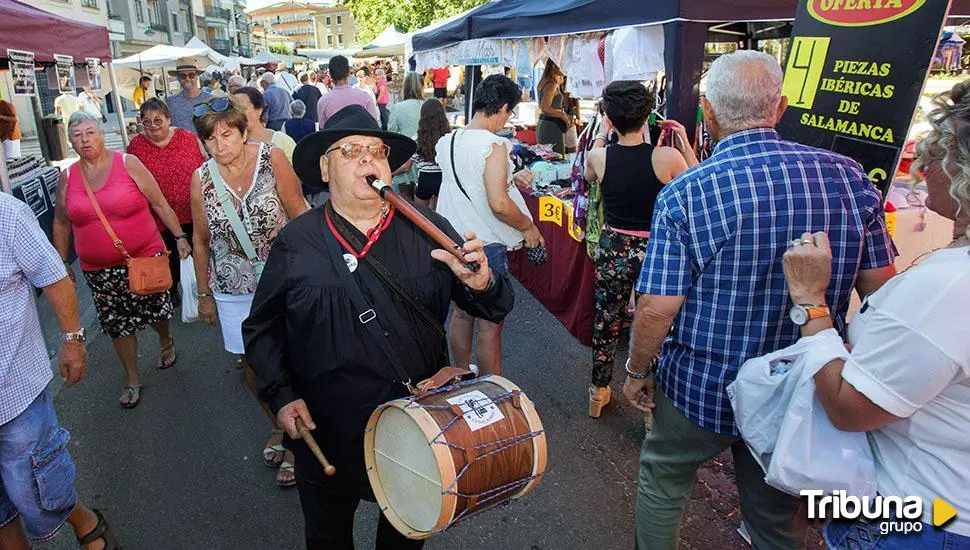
(286,477)
(167,351)
(274,453)
(130,397)
(101,531)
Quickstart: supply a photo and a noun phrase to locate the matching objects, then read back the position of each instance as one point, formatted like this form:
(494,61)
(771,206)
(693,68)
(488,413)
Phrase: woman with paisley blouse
(256,185)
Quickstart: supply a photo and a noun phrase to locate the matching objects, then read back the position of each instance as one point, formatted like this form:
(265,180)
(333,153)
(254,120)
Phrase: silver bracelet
(637,375)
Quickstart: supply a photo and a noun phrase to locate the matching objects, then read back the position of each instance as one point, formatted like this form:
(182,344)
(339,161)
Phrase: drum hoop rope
(507,488)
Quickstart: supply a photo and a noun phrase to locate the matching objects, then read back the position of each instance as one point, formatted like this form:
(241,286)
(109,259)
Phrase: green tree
(373,16)
(280,49)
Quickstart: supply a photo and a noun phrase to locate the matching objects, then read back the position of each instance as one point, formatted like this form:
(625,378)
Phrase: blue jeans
(498,258)
(36,471)
(858,535)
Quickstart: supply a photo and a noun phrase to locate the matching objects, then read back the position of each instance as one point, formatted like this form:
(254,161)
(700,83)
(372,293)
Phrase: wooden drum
(437,459)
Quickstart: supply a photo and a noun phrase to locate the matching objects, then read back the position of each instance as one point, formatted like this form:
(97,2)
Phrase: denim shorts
(36,471)
(498,258)
(860,535)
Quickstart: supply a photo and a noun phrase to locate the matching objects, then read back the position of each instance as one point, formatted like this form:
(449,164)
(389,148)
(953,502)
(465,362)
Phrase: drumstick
(423,223)
(310,442)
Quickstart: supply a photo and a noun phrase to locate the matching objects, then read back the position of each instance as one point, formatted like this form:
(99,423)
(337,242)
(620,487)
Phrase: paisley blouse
(263,216)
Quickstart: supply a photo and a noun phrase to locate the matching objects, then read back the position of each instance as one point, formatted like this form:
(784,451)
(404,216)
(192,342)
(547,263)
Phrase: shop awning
(24,27)
(528,18)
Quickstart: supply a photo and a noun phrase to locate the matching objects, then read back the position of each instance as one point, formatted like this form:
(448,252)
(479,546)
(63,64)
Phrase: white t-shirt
(473,213)
(911,356)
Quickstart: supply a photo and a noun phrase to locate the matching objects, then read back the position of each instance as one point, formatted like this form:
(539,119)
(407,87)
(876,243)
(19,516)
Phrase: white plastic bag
(190,303)
(788,432)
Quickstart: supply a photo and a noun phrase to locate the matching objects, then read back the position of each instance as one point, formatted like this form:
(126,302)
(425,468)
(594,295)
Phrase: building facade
(222,24)
(293,20)
(335,28)
(96,12)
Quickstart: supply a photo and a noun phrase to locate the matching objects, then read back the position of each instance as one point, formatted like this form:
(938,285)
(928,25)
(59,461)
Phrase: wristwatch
(75,336)
(801,314)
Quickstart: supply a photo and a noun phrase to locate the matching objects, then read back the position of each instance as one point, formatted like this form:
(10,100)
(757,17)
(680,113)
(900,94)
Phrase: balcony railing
(218,13)
(245,51)
(220,45)
(242,26)
(159,26)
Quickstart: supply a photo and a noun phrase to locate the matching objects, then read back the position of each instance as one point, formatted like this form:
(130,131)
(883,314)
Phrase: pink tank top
(127,211)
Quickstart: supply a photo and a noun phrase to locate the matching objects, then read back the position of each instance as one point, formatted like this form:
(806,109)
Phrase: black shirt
(305,340)
(309,95)
(629,187)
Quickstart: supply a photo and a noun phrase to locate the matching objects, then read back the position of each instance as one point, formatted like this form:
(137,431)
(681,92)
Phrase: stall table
(564,284)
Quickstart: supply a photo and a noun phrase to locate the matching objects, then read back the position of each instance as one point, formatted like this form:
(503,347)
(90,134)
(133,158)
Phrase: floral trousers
(618,262)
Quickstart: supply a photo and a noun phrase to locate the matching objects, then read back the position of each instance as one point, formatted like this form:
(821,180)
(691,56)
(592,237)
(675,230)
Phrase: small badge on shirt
(351,262)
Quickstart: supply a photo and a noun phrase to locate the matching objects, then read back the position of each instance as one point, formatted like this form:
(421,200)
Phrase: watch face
(798,315)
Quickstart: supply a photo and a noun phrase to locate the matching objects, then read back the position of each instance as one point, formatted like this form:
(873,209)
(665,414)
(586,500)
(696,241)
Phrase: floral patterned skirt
(121,312)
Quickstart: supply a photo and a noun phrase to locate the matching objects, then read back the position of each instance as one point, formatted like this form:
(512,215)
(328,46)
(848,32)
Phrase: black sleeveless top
(629,187)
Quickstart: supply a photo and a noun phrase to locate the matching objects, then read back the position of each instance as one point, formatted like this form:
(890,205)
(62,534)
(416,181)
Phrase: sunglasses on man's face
(187,76)
(217,105)
(352,150)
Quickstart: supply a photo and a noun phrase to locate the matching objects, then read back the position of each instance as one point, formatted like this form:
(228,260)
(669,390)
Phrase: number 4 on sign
(550,210)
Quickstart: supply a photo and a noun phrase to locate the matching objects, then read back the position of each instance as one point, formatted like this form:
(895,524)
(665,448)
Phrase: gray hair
(297,108)
(949,143)
(236,80)
(744,90)
(268,77)
(81,117)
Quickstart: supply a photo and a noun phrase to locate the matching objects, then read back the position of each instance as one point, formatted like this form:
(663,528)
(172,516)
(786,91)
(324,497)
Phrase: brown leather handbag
(146,276)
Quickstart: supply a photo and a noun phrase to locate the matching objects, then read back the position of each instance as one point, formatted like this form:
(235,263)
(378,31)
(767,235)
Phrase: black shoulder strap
(366,314)
(453,170)
(389,280)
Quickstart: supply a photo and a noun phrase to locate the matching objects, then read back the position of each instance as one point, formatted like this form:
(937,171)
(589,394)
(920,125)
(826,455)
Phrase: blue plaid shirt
(719,232)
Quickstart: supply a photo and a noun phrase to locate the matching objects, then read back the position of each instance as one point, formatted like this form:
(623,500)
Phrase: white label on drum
(480,411)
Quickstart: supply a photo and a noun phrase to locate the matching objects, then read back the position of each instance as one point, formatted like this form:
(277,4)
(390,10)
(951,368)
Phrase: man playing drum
(349,312)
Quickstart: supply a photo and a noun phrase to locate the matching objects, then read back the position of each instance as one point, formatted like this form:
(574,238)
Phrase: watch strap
(817,312)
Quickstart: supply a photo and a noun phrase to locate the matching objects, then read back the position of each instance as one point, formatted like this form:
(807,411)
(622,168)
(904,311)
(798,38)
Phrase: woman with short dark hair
(477,195)
(254,106)
(171,155)
(241,199)
(631,174)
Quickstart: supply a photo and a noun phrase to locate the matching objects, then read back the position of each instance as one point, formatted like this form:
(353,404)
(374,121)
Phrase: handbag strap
(222,193)
(389,280)
(367,316)
(453,170)
(104,221)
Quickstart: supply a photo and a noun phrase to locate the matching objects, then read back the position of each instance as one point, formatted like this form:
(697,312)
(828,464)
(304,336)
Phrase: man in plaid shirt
(713,273)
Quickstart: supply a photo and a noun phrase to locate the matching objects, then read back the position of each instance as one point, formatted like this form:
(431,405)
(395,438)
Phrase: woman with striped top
(432,125)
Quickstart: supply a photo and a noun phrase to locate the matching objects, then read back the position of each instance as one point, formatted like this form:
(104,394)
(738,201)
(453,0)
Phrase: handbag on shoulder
(146,276)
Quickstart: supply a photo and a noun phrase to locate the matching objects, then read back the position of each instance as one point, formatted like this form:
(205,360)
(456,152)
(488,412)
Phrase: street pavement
(183,469)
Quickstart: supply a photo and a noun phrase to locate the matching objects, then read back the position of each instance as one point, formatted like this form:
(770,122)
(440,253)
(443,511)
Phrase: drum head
(408,470)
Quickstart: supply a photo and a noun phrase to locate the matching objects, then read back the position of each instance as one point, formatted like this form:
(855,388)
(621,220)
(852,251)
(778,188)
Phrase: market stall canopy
(31,29)
(325,55)
(266,57)
(390,42)
(528,18)
(230,62)
(164,55)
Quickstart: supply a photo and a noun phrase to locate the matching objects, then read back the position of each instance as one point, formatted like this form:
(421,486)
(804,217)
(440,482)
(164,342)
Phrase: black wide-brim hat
(352,120)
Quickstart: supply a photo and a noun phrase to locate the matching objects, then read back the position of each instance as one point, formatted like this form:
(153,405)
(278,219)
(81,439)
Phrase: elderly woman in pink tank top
(127,195)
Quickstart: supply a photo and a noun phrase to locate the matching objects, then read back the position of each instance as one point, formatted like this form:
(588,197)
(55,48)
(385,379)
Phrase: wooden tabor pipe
(423,223)
(310,442)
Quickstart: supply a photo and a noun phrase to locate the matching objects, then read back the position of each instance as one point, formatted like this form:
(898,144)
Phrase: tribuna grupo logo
(893,514)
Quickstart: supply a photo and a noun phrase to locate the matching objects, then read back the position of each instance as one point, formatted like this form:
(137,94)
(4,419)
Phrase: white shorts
(11,148)
(233,310)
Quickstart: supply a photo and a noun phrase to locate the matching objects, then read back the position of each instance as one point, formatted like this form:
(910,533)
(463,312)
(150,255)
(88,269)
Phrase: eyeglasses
(216,105)
(187,76)
(351,151)
(150,122)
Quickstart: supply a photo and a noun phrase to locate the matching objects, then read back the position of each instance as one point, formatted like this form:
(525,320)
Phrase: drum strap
(367,316)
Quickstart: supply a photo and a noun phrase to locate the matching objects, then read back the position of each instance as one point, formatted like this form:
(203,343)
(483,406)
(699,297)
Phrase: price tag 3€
(550,210)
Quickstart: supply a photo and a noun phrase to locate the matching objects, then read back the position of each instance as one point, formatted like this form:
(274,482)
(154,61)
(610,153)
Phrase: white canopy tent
(156,60)
(389,43)
(234,62)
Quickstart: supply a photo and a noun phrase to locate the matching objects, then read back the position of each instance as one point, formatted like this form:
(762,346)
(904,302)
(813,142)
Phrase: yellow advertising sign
(806,63)
(575,232)
(550,210)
